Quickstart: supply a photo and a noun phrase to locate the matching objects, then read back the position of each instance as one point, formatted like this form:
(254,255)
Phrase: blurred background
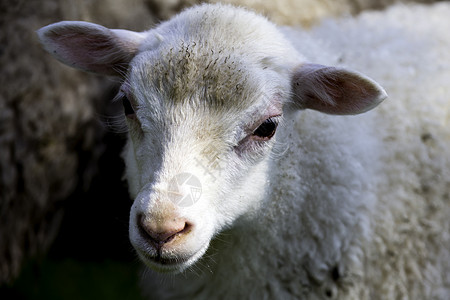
(63,204)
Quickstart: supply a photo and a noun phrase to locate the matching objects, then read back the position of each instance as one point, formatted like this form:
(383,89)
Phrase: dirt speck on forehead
(198,71)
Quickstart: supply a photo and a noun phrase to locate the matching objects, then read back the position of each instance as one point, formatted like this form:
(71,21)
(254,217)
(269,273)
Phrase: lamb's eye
(267,129)
(128,108)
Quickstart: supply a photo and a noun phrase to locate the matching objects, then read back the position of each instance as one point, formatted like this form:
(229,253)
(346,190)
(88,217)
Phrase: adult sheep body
(340,207)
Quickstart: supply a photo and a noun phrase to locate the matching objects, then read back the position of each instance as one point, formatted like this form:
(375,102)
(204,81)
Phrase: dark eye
(128,108)
(267,129)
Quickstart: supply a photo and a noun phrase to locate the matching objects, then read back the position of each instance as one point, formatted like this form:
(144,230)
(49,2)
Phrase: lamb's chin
(173,264)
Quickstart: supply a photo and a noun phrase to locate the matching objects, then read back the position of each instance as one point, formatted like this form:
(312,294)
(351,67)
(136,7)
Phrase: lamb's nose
(160,232)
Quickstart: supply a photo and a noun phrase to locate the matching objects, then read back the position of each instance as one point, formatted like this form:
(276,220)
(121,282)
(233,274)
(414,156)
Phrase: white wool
(332,207)
(379,162)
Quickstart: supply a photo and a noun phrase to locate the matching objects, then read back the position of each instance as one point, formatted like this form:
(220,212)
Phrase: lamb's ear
(334,90)
(91,47)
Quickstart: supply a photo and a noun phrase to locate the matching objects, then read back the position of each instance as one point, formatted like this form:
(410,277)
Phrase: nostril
(187,227)
(175,233)
(162,232)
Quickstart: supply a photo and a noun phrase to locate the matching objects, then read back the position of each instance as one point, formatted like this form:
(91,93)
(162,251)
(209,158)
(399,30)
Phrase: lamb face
(202,132)
(203,95)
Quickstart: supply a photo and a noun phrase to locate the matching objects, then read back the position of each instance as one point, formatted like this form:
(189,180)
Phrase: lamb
(258,164)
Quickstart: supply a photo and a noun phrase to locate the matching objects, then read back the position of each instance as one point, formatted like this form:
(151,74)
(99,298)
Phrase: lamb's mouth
(164,264)
(165,261)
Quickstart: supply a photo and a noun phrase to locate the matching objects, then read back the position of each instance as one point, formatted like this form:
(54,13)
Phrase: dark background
(91,257)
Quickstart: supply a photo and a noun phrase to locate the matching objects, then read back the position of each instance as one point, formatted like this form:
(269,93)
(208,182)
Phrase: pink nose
(160,233)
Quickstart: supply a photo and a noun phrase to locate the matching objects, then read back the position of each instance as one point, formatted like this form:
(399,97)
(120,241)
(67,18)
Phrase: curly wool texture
(384,177)
(404,48)
(409,55)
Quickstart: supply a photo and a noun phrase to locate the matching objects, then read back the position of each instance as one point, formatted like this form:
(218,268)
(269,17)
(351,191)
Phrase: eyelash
(127,107)
(267,129)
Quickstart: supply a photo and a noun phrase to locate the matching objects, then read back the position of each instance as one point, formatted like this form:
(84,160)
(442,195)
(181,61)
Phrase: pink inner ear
(86,52)
(89,47)
(335,91)
(348,95)
(99,53)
